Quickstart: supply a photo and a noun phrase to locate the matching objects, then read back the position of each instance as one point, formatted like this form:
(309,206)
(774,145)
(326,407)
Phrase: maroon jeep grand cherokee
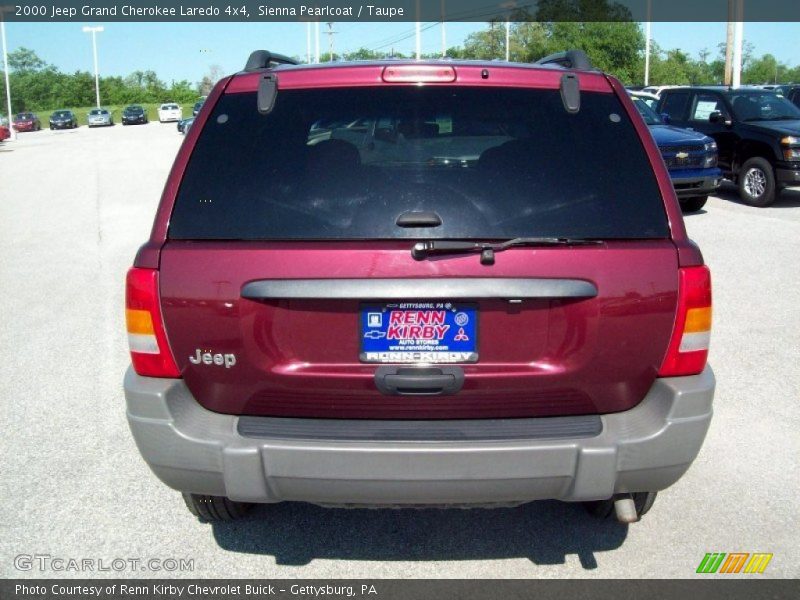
(402,283)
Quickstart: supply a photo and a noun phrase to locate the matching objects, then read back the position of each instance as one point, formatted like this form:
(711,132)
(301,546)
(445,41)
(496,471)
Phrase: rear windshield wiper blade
(421,250)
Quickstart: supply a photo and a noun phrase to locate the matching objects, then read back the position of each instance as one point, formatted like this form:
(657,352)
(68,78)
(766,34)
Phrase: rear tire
(215,508)
(757,182)
(604,509)
(690,205)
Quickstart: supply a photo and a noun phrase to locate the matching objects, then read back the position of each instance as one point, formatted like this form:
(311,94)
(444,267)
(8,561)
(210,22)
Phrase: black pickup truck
(757,133)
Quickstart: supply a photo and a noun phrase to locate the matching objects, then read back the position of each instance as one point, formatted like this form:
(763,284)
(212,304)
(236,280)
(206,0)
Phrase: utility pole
(729,44)
(738,42)
(308,41)
(330,33)
(316,35)
(418,32)
(444,34)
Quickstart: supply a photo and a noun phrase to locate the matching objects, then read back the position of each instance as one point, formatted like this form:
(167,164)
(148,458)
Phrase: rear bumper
(262,459)
(695,182)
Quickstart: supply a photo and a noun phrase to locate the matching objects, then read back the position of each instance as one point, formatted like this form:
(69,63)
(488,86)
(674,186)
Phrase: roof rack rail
(570,59)
(262,59)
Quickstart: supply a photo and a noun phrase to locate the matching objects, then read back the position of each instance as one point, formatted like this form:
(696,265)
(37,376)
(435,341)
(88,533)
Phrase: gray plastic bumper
(192,449)
(788,176)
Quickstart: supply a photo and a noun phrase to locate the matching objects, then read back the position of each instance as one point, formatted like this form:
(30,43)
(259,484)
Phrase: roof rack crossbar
(262,59)
(570,59)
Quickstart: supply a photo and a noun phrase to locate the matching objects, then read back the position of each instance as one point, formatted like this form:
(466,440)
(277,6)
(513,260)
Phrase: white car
(657,89)
(650,99)
(169,112)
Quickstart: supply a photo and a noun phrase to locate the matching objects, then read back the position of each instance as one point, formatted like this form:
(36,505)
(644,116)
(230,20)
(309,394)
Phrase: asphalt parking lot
(74,207)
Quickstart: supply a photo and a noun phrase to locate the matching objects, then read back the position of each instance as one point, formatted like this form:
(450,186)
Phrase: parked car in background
(656,89)
(691,158)
(169,112)
(197,106)
(99,117)
(3,120)
(63,119)
(135,114)
(185,124)
(5,133)
(650,99)
(757,134)
(791,93)
(27,121)
(454,305)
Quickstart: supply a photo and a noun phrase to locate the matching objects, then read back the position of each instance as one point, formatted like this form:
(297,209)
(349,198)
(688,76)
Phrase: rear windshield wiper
(421,250)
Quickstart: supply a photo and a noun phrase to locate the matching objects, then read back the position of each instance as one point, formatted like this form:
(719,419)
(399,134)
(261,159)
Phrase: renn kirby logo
(417,325)
(735,562)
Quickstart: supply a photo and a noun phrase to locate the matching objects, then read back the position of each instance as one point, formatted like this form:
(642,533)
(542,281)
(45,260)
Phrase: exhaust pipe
(625,508)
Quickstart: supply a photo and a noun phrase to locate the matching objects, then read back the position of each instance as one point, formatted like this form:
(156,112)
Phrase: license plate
(419,332)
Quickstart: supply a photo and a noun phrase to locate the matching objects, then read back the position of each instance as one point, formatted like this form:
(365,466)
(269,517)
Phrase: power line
(330,34)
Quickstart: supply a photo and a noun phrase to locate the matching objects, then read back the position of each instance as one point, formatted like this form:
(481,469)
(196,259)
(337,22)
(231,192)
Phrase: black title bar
(399,10)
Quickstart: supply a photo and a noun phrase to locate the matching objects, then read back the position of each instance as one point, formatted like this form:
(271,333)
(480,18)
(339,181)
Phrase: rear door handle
(420,381)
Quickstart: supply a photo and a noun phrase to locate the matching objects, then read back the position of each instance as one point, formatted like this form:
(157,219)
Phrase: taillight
(688,347)
(150,353)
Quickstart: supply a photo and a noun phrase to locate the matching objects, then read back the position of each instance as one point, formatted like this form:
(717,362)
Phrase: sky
(178,51)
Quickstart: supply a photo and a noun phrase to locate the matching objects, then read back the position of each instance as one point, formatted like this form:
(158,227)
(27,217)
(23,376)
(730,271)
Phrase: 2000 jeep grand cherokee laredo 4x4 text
(419,283)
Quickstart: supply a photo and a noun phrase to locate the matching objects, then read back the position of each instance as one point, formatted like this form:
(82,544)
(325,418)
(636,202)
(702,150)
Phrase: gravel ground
(74,207)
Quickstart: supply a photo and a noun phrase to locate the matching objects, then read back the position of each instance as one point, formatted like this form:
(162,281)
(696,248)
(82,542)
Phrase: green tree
(25,60)
(611,46)
(765,69)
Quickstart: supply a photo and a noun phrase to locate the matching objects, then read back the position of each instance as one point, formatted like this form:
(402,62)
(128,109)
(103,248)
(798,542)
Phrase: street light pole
(94,31)
(647,44)
(11,130)
(508,40)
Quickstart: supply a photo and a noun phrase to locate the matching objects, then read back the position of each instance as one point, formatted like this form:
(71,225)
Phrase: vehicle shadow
(787,198)
(544,532)
(702,211)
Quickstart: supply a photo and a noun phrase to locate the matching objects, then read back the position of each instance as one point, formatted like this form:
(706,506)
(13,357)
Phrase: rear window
(345,163)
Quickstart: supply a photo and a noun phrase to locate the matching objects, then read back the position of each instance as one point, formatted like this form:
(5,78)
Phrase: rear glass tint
(345,163)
